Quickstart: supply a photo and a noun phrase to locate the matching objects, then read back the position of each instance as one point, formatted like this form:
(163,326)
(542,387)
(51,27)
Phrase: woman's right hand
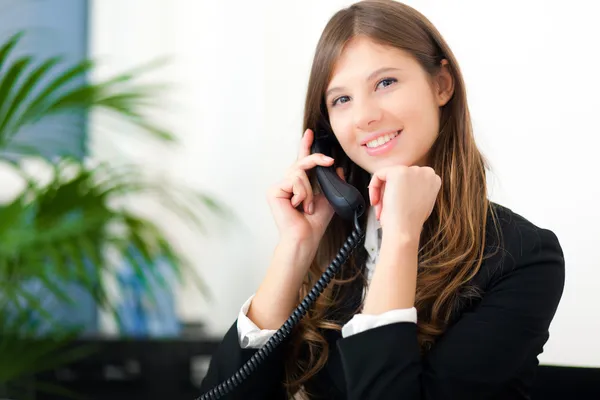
(302,218)
(308,224)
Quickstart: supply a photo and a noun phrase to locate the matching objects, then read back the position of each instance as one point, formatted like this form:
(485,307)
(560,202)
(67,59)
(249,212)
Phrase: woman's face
(383,107)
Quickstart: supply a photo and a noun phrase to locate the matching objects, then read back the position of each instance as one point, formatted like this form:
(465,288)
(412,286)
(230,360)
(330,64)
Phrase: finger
(375,187)
(379,206)
(284,189)
(308,191)
(313,160)
(298,190)
(305,144)
(377,190)
(375,196)
(377,182)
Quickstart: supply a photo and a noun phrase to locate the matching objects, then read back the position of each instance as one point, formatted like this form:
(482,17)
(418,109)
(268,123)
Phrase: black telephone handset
(348,203)
(345,199)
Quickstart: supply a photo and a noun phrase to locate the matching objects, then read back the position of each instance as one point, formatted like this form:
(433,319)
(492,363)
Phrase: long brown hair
(452,243)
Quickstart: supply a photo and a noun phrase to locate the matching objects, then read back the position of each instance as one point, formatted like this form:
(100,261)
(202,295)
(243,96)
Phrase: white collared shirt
(250,336)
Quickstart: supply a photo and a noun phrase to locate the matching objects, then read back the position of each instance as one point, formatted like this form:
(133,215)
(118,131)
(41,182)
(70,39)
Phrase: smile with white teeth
(381,140)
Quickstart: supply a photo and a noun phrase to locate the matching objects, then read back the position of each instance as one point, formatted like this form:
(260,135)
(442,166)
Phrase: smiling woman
(446,281)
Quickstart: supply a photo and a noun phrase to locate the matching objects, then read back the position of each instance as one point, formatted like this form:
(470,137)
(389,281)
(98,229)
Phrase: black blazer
(489,352)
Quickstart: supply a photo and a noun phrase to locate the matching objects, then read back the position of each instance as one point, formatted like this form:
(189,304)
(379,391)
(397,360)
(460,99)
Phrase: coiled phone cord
(250,366)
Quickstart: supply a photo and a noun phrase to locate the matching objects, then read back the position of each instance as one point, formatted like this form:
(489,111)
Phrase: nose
(366,113)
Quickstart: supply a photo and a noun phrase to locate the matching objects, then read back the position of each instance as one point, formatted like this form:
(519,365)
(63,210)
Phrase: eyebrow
(370,77)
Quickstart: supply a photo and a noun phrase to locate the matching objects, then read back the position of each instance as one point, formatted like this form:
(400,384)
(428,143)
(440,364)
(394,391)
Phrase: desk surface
(172,368)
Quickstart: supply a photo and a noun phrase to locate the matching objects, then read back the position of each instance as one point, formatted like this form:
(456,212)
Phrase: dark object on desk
(172,369)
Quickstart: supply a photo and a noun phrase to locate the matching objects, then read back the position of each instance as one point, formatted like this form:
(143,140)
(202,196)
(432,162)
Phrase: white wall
(242,70)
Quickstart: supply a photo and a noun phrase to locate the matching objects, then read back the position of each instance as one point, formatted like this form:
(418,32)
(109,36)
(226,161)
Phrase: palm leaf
(25,90)
(32,90)
(9,46)
(6,86)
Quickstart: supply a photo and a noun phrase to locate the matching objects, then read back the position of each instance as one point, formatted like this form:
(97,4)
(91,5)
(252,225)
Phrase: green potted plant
(62,229)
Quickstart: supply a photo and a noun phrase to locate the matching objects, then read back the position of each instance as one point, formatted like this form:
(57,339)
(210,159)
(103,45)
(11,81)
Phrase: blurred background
(138,139)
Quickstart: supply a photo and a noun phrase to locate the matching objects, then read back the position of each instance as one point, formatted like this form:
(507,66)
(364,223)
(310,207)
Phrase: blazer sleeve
(264,383)
(482,351)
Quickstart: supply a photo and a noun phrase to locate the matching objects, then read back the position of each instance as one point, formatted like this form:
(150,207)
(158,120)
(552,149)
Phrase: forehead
(362,55)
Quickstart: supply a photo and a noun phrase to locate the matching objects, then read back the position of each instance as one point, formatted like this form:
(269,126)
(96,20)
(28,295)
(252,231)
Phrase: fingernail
(326,158)
(311,208)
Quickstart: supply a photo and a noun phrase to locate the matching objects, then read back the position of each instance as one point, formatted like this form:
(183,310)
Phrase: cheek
(342,126)
(406,104)
(416,111)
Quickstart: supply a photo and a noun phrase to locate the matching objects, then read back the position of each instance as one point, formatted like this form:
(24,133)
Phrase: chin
(372,164)
(390,162)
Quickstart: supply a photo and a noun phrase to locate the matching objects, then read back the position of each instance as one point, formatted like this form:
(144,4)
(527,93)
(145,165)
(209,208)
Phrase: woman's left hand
(404,198)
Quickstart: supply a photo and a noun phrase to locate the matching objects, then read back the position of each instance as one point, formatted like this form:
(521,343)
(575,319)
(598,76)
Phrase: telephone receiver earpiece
(345,199)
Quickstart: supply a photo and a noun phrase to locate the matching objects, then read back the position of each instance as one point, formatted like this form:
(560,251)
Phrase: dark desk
(122,369)
(172,369)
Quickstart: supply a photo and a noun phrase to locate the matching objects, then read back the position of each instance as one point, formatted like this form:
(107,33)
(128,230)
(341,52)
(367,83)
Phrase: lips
(377,145)
(381,140)
(376,135)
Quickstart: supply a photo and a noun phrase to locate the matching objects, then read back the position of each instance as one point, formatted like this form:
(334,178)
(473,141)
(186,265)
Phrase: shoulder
(517,247)
(516,236)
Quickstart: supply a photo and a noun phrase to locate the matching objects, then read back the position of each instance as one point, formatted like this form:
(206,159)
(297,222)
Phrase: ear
(444,84)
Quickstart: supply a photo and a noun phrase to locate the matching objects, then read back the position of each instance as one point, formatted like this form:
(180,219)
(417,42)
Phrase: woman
(450,296)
